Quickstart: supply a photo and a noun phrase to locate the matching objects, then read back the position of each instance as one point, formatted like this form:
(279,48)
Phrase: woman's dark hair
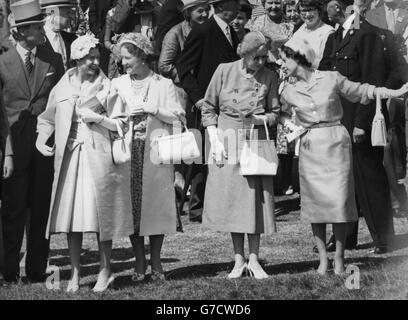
(135,51)
(312,4)
(247,9)
(298,57)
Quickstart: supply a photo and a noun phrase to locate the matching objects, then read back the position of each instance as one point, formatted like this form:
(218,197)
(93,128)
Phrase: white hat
(26,12)
(303,47)
(193,3)
(55,3)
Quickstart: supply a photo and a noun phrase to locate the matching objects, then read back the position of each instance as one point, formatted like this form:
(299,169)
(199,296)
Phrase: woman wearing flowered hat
(90,193)
(325,159)
(151,102)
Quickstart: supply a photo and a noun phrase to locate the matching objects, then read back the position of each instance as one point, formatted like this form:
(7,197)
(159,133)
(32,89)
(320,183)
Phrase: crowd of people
(78,76)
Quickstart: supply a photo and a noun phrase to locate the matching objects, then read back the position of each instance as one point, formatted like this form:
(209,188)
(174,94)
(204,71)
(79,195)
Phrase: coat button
(337,54)
(254,94)
(345,57)
(251,103)
(334,68)
(234,100)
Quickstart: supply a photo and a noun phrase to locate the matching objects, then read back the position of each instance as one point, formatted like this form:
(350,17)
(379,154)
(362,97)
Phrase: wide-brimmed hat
(192,3)
(55,3)
(25,12)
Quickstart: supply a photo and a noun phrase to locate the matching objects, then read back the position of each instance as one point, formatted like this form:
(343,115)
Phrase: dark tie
(340,30)
(28,62)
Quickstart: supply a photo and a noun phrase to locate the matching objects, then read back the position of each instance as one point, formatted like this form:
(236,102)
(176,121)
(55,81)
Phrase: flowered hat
(138,40)
(82,45)
(303,47)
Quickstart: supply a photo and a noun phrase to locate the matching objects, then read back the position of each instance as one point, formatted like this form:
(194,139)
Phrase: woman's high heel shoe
(257,273)
(103,287)
(237,272)
(72,287)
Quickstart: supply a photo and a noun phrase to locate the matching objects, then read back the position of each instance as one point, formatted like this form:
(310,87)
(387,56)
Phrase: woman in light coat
(151,102)
(90,193)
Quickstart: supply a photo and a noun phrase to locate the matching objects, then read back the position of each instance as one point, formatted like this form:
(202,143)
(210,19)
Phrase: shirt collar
(349,21)
(221,23)
(49,32)
(23,52)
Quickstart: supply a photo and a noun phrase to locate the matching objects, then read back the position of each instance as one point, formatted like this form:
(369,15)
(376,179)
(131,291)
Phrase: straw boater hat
(26,12)
(191,3)
(55,3)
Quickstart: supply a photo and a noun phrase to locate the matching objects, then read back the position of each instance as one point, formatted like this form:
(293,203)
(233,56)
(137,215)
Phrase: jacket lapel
(346,39)
(222,40)
(16,68)
(402,21)
(380,17)
(41,68)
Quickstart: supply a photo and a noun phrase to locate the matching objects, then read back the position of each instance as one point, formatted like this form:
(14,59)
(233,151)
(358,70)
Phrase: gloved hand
(389,93)
(8,167)
(89,116)
(217,152)
(259,119)
(41,146)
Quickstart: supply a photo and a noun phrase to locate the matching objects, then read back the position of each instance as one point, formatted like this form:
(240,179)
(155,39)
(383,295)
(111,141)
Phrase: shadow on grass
(286,206)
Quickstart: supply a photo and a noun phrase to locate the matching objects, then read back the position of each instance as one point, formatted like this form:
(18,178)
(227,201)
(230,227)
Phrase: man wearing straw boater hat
(59,15)
(28,72)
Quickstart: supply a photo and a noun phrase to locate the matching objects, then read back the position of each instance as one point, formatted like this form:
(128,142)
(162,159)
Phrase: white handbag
(122,145)
(378,130)
(172,149)
(258,157)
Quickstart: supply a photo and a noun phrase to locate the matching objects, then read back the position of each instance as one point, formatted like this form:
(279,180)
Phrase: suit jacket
(377,17)
(22,92)
(97,17)
(359,57)
(68,39)
(168,17)
(205,48)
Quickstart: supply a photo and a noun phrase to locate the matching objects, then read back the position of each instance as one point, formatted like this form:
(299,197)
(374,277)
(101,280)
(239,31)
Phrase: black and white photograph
(202,155)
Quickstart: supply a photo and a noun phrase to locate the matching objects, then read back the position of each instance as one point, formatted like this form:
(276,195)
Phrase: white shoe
(257,273)
(101,288)
(71,288)
(237,272)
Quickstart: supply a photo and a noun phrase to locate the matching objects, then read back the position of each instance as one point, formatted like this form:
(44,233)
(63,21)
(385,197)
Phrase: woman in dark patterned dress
(152,104)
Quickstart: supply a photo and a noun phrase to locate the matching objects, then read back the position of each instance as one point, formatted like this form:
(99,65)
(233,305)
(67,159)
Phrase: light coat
(111,182)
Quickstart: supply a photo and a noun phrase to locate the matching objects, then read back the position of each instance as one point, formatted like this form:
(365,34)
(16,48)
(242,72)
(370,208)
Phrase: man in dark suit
(98,10)
(208,45)
(28,72)
(357,52)
(59,15)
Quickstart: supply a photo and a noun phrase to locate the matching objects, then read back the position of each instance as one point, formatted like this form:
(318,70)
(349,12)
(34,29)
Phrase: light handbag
(258,157)
(122,145)
(378,130)
(177,147)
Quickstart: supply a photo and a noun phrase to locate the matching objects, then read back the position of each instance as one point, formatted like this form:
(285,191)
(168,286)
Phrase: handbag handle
(266,130)
(378,102)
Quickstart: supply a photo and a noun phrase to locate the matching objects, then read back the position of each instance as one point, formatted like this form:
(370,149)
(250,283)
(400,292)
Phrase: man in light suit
(208,45)
(28,72)
(59,15)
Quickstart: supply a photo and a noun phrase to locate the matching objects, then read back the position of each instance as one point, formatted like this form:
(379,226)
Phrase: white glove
(259,119)
(217,151)
(389,93)
(88,116)
(41,146)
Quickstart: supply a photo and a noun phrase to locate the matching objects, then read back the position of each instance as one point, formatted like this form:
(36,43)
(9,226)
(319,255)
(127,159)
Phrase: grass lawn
(197,262)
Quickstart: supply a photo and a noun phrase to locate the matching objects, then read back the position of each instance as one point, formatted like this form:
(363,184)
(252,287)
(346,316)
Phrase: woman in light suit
(240,94)
(90,193)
